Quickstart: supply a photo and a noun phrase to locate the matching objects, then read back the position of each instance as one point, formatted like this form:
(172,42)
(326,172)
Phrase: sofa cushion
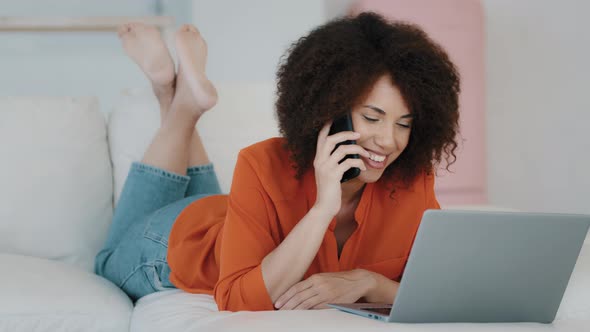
(132,124)
(243,116)
(44,295)
(56,178)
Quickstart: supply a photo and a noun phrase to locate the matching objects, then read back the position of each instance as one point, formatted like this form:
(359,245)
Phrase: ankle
(181,118)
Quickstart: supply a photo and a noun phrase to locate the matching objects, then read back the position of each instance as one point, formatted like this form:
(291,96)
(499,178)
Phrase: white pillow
(56,178)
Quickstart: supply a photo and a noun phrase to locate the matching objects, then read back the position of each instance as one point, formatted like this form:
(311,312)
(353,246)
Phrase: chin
(369,176)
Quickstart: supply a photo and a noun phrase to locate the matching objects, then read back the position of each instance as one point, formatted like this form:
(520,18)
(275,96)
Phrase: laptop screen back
(469,266)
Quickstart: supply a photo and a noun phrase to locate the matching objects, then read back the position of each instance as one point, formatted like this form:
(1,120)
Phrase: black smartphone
(345,124)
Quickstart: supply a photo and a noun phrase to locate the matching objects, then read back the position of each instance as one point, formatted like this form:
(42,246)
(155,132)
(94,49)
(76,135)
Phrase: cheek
(401,143)
(361,128)
(402,140)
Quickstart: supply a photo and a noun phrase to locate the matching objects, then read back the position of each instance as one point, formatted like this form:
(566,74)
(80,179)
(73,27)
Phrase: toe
(123,29)
(189,28)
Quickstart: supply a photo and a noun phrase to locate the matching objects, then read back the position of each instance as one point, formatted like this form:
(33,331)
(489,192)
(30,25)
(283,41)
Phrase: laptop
(475,266)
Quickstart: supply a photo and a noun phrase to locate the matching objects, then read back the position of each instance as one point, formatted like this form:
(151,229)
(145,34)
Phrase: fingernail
(357,134)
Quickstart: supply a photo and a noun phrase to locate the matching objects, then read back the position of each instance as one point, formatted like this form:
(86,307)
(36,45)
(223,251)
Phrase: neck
(351,191)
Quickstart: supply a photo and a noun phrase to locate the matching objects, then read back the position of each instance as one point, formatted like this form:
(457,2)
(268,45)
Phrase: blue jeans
(134,255)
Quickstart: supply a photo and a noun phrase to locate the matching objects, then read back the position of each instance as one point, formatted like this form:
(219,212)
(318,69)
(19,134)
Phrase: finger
(299,298)
(320,305)
(298,287)
(344,150)
(309,303)
(333,140)
(350,163)
(323,134)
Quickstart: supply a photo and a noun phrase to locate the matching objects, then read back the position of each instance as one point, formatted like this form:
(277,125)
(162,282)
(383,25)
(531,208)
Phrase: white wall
(245,41)
(72,63)
(538,105)
(537,71)
(247,38)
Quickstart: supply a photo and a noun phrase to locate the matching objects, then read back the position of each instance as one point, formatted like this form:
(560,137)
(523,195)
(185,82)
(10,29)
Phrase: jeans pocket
(160,222)
(148,278)
(158,227)
(158,274)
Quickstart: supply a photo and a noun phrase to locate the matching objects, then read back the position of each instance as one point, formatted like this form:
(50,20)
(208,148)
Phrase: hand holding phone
(332,161)
(345,124)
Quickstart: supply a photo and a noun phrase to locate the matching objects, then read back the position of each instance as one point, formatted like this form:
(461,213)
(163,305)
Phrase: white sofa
(62,164)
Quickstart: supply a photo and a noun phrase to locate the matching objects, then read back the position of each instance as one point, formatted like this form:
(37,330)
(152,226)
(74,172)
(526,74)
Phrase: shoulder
(267,149)
(269,162)
(267,155)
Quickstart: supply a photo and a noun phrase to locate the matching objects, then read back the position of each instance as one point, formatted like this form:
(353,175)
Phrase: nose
(385,138)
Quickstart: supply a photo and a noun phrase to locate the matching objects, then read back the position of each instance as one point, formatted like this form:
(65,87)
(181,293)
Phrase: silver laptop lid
(468,266)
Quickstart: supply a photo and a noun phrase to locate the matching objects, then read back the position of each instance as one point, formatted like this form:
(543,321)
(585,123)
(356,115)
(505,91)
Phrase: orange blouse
(217,243)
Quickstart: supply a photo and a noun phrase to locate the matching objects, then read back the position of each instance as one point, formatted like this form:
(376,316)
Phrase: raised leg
(197,153)
(134,255)
(193,96)
(192,56)
(145,46)
(147,187)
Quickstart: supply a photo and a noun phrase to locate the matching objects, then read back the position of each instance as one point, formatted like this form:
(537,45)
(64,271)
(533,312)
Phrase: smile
(375,161)
(377,158)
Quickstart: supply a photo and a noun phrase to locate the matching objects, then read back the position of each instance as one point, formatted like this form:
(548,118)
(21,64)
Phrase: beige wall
(538,111)
(538,104)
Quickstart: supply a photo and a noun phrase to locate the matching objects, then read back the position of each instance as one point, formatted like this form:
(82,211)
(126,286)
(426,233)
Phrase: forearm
(286,265)
(381,289)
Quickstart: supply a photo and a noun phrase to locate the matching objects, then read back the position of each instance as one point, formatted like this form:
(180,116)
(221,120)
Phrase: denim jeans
(134,255)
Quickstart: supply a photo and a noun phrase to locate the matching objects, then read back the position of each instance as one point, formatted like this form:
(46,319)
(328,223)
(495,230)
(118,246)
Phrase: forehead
(386,96)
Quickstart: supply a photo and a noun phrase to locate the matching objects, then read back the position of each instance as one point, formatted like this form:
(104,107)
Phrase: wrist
(320,213)
(371,282)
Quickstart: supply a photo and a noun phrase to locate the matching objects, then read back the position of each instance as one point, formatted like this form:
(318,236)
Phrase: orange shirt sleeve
(246,240)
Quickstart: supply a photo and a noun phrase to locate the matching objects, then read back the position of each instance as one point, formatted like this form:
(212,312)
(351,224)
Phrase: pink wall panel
(458,25)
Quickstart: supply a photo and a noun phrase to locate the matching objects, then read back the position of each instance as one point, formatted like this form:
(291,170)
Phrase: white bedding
(176,310)
(179,311)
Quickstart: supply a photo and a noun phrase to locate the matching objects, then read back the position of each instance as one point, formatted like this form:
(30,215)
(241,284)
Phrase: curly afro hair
(324,74)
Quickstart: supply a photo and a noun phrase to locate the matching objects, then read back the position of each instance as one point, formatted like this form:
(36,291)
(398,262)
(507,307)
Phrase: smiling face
(384,122)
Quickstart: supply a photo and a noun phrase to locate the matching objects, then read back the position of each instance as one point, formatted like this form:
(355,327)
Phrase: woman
(289,235)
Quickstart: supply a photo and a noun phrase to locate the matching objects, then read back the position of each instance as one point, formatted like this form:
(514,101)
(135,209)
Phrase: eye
(403,125)
(370,119)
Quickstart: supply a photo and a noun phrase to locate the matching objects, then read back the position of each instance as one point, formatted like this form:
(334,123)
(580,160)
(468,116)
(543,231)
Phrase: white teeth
(376,158)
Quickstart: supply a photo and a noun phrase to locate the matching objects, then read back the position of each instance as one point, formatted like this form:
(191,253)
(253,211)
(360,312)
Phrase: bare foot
(145,46)
(193,87)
